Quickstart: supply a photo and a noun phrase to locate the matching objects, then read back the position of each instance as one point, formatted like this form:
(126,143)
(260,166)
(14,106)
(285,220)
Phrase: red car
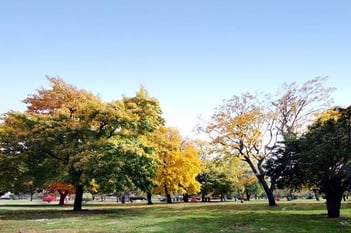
(49,198)
(195,199)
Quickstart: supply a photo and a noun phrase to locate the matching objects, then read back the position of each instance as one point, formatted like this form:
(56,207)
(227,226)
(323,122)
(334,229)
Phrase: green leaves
(74,136)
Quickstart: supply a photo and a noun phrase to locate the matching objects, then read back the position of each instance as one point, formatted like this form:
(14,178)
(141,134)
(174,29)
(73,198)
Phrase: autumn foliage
(62,188)
(67,132)
(178,164)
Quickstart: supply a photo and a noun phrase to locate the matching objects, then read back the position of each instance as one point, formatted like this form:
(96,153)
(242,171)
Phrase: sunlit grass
(295,216)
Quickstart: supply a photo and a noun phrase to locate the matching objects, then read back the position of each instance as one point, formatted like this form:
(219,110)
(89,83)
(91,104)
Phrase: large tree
(320,158)
(249,126)
(67,129)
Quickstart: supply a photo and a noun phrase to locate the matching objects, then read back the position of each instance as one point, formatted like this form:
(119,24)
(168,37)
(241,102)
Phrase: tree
(178,164)
(62,188)
(68,130)
(250,127)
(214,180)
(253,188)
(295,108)
(190,167)
(220,176)
(120,168)
(248,183)
(321,157)
(208,174)
(236,130)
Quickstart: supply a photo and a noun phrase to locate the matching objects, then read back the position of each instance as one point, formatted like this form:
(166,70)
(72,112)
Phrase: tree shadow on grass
(250,222)
(52,213)
(187,218)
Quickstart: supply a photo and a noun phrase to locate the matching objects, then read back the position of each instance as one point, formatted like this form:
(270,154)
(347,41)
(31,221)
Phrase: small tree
(62,188)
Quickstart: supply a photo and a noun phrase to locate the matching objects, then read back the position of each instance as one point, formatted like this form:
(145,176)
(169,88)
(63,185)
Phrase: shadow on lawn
(55,212)
(189,218)
(250,222)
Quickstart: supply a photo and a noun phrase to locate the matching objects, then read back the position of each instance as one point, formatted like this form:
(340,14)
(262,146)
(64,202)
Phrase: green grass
(295,216)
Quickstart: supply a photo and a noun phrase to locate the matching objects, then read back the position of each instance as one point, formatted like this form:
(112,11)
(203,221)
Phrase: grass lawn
(295,216)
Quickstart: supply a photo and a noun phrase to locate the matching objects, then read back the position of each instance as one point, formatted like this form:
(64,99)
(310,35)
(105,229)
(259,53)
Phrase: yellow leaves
(144,110)
(246,178)
(237,127)
(178,163)
(94,187)
(166,140)
(331,114)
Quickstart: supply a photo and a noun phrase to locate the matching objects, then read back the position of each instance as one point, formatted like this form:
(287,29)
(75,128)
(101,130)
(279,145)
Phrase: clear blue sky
(190,55)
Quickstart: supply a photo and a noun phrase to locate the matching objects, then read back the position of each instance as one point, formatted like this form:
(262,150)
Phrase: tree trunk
(168,196)
(222,198)
(260,177)
(63,195)
(169,199)
(203,197)
(148,197)
(333,204)
(267,190)
(316,195)
(186,197)
(78,198)
(248,196)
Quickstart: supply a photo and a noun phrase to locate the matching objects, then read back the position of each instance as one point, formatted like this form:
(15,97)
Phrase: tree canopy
(250,126)
(66,131)
(321,158)
(178,164)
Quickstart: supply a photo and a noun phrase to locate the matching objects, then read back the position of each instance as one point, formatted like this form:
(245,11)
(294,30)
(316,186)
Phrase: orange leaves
(70,132)
(62,95)
(60,186)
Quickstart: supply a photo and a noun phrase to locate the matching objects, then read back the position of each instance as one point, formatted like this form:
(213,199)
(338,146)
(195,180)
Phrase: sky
(189,54)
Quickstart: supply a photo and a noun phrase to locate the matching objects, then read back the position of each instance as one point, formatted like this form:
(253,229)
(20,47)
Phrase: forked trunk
(63,195)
